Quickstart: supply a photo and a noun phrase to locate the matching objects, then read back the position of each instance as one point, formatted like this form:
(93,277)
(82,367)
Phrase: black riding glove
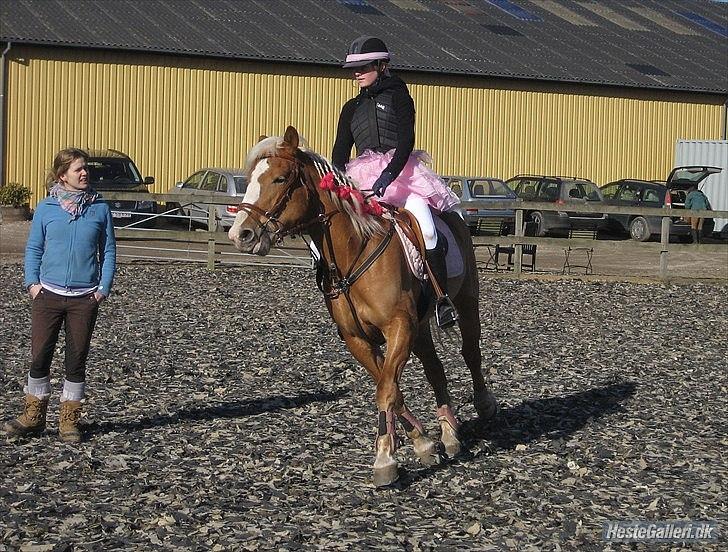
(384,180)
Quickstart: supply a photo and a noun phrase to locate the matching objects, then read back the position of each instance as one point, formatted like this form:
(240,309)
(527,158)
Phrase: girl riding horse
(380,121)
(369,289)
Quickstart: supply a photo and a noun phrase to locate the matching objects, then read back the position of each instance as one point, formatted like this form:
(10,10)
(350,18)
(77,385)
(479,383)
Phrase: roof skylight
(564,13)
(706,23)
(514,10)
(613,16)
(360,6)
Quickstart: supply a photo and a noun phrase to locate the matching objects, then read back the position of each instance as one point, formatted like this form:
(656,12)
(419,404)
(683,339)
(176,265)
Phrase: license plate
(120,214)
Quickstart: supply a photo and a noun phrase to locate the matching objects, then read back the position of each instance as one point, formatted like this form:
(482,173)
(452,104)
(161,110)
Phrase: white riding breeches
(421,210)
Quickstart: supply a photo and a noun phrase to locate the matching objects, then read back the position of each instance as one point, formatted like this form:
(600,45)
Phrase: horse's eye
(279,180)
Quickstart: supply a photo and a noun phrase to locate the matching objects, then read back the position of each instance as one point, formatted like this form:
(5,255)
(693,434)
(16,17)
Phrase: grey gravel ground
(225,414)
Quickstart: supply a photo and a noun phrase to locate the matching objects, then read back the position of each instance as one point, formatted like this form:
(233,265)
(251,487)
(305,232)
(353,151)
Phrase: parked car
(562,190)
(113,171)
(657,194)
(475,194)
(223,182)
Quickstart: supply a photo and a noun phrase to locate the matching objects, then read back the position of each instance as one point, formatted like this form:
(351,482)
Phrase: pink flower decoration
(374,208)
(344,192)
(327,182)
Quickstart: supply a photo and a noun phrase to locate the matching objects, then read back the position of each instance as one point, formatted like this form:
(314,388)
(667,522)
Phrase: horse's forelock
(268,147)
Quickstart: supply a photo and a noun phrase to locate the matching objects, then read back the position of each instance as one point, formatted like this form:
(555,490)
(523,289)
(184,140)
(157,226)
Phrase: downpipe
(2,113)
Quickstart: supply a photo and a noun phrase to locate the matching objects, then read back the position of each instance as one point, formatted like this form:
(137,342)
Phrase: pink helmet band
(369,56)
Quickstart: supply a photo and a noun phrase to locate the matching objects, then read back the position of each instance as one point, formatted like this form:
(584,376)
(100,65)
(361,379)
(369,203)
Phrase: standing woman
(70,259)
(380,122)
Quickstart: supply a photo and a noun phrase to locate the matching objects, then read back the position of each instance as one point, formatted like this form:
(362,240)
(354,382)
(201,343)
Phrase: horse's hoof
(453,448)
(486,407)
(429,456)
(385,475)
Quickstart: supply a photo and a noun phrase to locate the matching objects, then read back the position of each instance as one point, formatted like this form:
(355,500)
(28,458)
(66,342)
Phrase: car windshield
(113,171)
(581,189)
(485,188)
(241,184)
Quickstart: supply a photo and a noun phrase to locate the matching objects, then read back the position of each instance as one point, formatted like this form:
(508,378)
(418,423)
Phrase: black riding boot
(695,234)
(444,310)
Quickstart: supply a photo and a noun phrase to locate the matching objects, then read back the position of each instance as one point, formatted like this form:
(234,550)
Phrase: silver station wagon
(223,182)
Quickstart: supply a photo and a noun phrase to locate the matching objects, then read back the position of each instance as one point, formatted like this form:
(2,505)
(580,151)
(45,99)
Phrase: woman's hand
(100,297)
(34,290)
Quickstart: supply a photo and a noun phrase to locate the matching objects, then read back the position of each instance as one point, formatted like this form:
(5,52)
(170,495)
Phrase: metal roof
(659,44)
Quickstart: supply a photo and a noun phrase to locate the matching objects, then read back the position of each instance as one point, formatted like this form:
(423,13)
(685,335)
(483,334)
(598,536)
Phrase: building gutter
(3,110)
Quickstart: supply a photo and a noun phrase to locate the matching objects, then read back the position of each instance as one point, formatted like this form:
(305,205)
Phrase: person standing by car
(696,200)
(70,260)
(380,121)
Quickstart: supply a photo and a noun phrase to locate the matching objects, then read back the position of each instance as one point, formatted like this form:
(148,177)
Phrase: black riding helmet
(365,50)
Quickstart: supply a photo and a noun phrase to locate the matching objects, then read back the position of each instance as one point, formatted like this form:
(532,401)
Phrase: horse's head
(278,197)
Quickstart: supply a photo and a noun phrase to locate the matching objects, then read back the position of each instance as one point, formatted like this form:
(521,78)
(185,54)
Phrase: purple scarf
(73,202)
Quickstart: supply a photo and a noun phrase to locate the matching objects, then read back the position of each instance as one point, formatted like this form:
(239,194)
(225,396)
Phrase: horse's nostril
(247,235)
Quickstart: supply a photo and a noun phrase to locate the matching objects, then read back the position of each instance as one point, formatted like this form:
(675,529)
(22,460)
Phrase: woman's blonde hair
(62,162)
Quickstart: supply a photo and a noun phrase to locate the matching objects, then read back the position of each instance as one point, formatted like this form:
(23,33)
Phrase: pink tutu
(416,178)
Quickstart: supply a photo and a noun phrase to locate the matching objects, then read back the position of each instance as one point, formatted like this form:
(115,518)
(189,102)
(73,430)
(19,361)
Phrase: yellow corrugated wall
(175,114)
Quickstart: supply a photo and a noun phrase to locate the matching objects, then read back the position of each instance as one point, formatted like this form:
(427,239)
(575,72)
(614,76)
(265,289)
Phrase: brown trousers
(696,223)
(78,316)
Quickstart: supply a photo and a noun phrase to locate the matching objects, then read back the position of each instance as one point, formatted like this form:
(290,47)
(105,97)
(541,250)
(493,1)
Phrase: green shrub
(14,194)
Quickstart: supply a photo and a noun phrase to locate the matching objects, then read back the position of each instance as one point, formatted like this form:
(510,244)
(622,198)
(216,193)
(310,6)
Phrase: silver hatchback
(224,182)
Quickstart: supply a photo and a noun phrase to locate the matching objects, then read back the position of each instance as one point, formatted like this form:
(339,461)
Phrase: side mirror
(148,180)
(179,184)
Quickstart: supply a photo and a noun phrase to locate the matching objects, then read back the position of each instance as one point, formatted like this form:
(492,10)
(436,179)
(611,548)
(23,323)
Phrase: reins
(340,284)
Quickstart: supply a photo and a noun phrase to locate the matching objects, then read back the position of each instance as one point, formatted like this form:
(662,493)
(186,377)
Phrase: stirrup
(449,316)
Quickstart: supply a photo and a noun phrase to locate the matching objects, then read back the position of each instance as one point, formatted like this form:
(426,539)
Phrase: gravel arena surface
(223,413)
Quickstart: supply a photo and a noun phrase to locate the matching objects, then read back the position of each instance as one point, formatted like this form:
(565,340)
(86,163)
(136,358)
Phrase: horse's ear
(262,137)
(291,137)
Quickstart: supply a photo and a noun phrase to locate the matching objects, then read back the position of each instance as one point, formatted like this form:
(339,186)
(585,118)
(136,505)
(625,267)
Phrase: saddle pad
(453,259)
(411,253)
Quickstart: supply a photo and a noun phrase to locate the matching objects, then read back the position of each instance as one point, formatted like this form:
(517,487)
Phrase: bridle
(268,220)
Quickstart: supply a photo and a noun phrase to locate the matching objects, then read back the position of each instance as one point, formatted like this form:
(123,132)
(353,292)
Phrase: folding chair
(490,227)
(585,261)
(526,249)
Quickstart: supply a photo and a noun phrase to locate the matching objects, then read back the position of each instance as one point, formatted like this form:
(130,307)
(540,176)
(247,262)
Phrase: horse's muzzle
(248,240)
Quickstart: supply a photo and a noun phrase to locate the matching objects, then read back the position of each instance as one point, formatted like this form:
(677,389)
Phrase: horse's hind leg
(424,349)
(425,448)
(469,321)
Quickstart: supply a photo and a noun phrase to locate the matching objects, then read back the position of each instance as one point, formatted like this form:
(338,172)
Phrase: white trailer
(708,153)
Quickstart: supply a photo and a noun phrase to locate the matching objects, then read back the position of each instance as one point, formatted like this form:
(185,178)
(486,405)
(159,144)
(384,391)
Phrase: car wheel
(639,230)
(537,217)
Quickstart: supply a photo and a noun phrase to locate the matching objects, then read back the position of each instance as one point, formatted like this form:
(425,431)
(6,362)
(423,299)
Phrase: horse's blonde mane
(365,224)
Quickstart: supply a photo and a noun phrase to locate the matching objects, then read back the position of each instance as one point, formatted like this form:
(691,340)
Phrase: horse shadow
(236,409)
(555,417)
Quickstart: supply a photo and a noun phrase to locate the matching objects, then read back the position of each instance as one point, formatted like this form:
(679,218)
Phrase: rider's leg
(435,257)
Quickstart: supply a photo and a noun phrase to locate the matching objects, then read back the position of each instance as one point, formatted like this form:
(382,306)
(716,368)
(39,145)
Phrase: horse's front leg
(385,464)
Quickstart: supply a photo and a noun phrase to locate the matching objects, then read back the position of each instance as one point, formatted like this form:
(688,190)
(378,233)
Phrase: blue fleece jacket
(72,253)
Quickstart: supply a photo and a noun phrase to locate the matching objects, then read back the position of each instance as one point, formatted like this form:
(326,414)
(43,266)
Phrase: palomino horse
(369,288)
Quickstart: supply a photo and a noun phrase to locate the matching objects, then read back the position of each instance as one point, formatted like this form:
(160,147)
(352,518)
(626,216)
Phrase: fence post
(664,240)
(211,227)
(518,250)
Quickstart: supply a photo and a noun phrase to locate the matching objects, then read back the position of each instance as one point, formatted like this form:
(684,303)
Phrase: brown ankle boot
(33,419)
(68,426)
